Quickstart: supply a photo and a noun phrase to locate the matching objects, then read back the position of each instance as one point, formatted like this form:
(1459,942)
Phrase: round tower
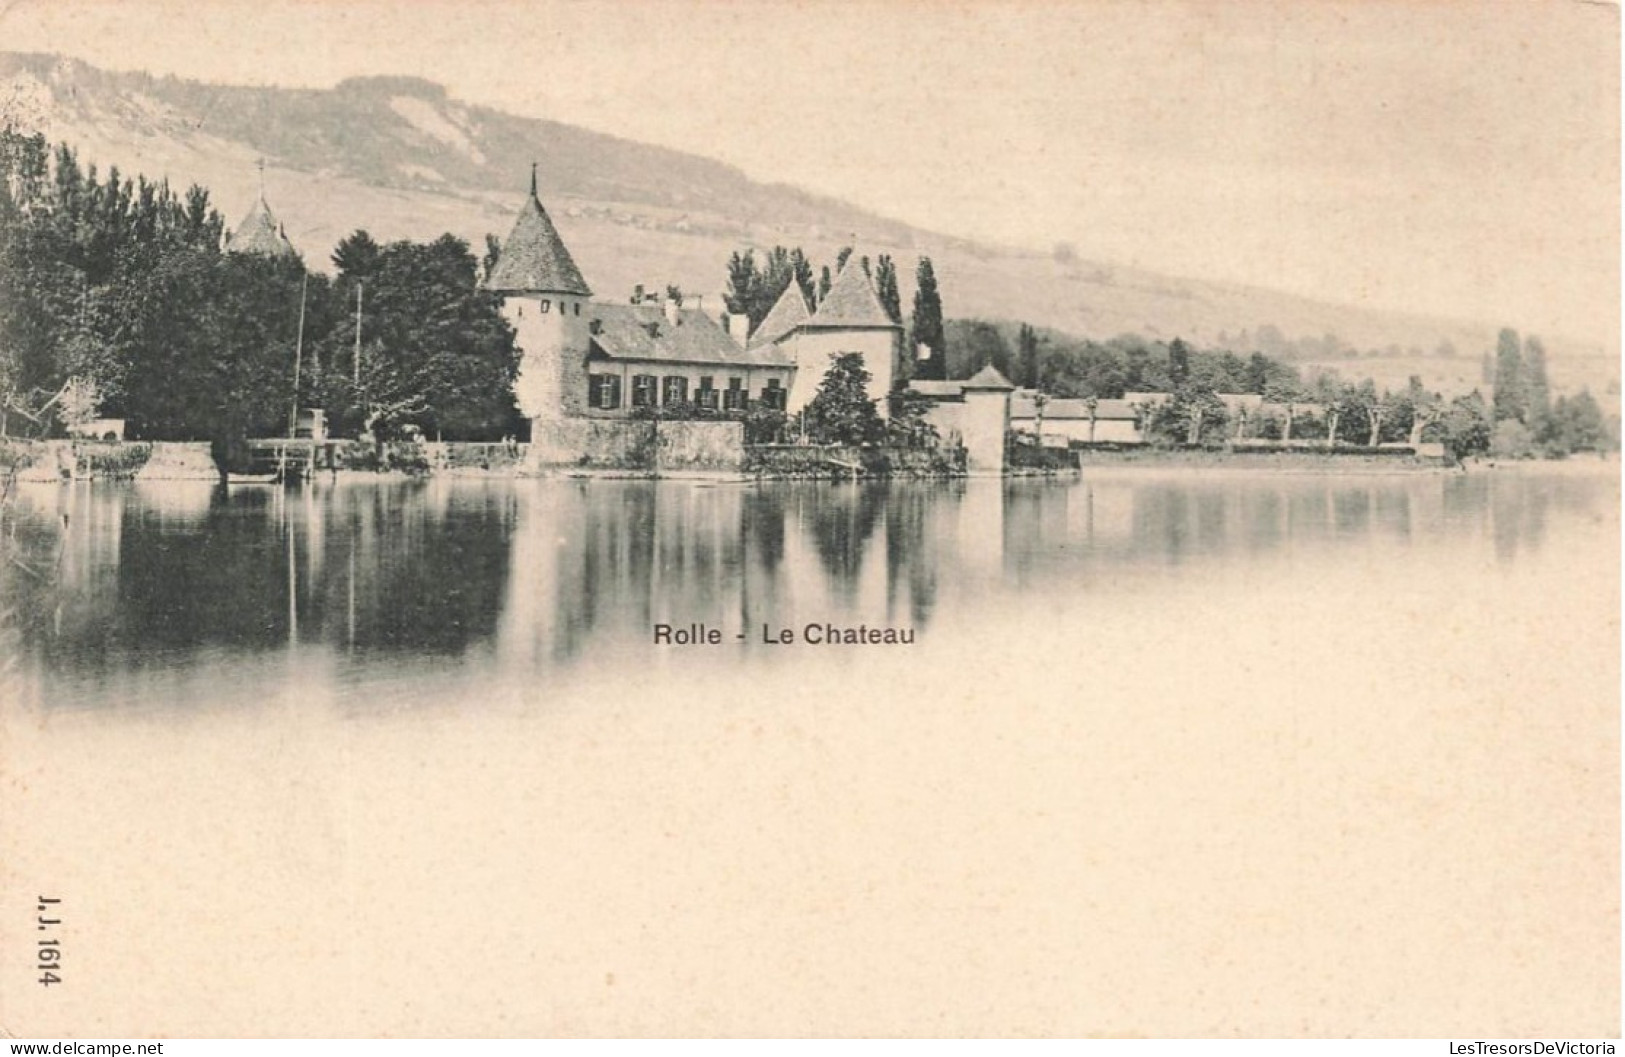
(545,299)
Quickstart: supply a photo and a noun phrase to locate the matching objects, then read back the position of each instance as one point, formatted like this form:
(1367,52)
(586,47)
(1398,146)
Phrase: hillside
(401,158)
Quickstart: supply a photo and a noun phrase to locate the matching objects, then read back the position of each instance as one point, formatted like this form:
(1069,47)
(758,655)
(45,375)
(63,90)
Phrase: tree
(741,296)
(926,325)
(80,401)
(841,411)
(1189,413)
(1575,424)
(801,270)
(886,288)
(357,254)
(824,283)
(1258,372)
(1375,413)
(437,352)
(974,344)
(1536,385)
(906,424)
(1511,386)
(1511,439)
(1179,362)
(1027,354)
(1466,425)
(754,289)
(493,253)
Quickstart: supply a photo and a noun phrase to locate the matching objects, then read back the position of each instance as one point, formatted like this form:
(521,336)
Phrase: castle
(583,358)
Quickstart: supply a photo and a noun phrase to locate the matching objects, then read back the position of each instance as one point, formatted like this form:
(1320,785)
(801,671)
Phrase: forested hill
(401,158)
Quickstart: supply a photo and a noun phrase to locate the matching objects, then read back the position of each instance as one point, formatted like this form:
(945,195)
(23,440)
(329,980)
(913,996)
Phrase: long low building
(1072,419)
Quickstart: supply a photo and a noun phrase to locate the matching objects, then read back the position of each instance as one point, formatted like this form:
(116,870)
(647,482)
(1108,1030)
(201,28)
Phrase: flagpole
(298,358)
(357,358)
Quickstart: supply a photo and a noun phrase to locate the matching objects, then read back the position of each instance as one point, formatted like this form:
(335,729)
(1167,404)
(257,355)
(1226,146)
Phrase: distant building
(1069,419)
(261,233)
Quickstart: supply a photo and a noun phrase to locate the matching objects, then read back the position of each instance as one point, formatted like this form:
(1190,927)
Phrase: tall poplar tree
(926,328)
(886,288)
(1511,387)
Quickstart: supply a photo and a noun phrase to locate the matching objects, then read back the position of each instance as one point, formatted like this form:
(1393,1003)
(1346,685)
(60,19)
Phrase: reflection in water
(530,576)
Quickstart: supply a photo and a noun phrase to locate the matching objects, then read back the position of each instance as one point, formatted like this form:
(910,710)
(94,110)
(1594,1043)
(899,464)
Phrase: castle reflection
(534,576)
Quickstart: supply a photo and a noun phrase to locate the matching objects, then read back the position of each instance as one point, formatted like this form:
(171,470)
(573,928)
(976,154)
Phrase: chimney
(671,306)
(739,328)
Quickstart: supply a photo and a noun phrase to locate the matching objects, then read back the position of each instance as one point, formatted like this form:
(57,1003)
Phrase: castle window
(546,305)
(707,395)
(604,391)
(643,390)
(578,308)
(675,391)
(733,399)
(773,395)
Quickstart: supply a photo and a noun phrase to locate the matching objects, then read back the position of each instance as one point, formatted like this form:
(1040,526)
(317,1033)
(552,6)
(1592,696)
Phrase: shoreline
(62,462)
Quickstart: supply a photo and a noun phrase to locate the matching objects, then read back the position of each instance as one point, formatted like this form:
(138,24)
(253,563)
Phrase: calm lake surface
(1172,753)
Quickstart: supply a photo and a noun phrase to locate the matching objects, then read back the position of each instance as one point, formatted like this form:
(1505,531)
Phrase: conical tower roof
(260,233)
(788,313)
(851,302)
(533,259)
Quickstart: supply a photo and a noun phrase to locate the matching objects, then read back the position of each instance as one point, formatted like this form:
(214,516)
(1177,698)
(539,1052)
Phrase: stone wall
(59,460)
(591,443)
(179,461)
(831,461)
(683,446)
(636,445)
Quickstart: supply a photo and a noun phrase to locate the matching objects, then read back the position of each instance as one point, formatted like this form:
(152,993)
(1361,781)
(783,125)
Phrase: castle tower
(544,299)
(260,233)
(849,319)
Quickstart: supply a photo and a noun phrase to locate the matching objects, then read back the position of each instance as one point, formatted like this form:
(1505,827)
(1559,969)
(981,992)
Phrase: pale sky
(1446,156)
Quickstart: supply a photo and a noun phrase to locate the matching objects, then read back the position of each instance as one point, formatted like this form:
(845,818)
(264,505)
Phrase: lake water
(1171,753)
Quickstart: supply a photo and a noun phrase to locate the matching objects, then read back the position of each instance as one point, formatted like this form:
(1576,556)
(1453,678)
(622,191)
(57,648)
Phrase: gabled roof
(533,260)
(642,332)
(260,233)
(987,378)
(851,302)
(788,313)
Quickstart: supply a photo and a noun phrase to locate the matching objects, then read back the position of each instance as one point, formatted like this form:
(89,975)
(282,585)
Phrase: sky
(1444,156)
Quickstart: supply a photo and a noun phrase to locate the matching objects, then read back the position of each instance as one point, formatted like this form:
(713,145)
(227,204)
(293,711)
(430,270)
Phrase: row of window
(546,306)
(604,392)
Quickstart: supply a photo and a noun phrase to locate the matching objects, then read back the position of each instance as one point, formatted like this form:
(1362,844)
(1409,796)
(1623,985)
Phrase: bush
(1511,439)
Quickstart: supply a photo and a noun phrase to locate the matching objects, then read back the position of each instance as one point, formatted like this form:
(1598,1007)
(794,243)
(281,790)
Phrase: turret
(545,299)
